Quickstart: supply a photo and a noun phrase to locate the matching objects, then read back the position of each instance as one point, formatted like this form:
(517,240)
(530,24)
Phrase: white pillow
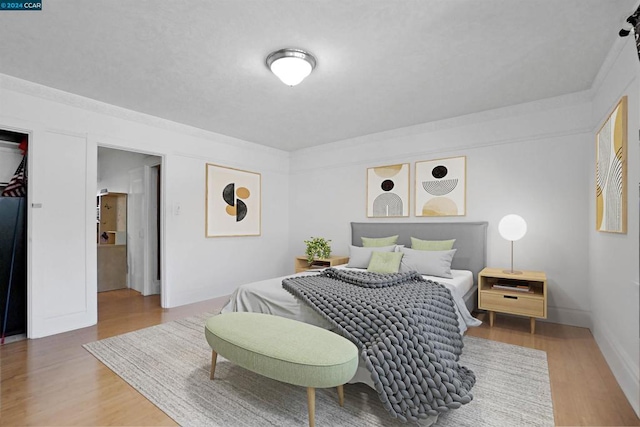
(359,257)
(430,263)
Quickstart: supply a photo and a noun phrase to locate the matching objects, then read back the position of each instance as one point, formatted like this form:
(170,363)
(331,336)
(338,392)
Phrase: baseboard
(567,316)
(626,372)
(197,295)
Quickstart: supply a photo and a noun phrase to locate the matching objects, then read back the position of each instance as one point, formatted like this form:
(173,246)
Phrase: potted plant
(317,247)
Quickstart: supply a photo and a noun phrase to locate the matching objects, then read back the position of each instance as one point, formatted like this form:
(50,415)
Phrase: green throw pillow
(371,242)
(432,245)
(385,262)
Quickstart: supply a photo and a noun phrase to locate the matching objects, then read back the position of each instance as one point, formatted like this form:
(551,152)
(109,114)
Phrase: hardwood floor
(583,389)
(54,381)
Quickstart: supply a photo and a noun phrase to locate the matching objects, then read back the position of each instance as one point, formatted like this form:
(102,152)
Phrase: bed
(269,296)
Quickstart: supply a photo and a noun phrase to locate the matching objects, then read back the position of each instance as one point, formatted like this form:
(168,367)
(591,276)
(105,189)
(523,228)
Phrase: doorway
(13,235)
(137,177)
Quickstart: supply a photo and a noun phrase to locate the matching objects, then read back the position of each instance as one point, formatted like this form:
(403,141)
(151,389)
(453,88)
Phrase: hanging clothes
(17,186)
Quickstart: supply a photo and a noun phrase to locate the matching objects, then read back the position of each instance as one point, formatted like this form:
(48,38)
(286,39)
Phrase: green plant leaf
(317,247)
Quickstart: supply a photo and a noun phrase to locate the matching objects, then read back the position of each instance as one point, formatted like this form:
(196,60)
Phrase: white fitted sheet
(459,285)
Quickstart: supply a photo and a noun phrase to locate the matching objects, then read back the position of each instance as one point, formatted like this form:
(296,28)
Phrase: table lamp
(512,227)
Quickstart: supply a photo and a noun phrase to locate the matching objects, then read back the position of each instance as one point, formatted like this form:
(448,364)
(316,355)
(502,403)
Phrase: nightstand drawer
(513,304)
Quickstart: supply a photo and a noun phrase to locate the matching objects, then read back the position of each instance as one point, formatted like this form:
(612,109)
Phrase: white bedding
(268,296)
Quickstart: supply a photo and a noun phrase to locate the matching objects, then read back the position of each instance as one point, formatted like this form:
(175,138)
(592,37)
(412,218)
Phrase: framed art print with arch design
(611,171)
(388,191)
(233,202)
(441,187)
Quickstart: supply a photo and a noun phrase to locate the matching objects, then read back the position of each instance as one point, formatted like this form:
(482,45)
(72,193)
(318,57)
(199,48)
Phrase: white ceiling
(381,64)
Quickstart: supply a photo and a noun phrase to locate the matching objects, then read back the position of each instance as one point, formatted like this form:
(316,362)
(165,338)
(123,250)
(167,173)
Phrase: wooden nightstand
(301,263)
(532,303)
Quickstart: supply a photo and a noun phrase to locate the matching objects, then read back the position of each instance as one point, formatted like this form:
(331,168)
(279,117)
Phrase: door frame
(153,184)
(29,300)
(162,163)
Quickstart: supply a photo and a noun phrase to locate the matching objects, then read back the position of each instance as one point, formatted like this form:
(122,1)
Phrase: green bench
(285,350)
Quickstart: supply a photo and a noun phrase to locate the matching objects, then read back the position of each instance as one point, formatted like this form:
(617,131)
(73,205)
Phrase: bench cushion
(283,349)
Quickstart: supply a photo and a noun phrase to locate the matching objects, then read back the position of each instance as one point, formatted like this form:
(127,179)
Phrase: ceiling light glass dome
(291,66)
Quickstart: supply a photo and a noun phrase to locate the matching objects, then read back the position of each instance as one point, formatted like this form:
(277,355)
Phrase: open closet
(13,235)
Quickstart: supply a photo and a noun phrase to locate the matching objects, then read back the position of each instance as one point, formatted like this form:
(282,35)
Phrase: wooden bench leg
(341,395)
(311,400)
(214,358)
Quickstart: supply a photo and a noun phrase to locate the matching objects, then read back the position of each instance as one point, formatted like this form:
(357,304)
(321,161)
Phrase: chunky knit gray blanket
(406,329)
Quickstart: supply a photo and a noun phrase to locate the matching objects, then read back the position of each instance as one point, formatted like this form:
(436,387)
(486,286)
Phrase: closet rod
(9,144)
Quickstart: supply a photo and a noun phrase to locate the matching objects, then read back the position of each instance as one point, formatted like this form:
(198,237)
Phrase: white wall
(613,258)
(528,159)
(195,267)
(114,167)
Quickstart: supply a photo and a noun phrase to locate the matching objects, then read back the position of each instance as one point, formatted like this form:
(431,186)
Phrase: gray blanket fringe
(406,329)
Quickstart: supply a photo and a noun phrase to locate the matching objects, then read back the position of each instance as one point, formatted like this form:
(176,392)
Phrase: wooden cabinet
(528,296)
(301,263)
(112,241)
(112,219)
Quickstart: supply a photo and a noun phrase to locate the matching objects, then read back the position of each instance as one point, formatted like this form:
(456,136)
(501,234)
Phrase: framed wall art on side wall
(611,171)
(441,187)
(233,202)
(388,191)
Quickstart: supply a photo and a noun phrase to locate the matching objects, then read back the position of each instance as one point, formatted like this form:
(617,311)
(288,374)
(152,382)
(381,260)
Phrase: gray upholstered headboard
(471,238)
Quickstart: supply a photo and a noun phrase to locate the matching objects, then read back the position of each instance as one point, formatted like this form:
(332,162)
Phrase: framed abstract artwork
(441,187)
(388,191)
(232,203)
(611,171)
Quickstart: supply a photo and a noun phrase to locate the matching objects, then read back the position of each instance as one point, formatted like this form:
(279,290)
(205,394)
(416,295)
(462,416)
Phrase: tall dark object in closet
(13,283)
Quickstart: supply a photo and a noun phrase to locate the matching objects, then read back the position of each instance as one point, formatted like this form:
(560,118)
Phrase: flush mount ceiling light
(291,65)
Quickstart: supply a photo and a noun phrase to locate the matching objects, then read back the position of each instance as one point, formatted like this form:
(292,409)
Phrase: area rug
(169,364)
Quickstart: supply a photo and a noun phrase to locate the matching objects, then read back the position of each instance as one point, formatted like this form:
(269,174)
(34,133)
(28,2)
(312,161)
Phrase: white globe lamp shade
(291,66)
(512,227)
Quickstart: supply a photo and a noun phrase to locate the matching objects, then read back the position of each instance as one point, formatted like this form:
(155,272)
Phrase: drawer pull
(509,296)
